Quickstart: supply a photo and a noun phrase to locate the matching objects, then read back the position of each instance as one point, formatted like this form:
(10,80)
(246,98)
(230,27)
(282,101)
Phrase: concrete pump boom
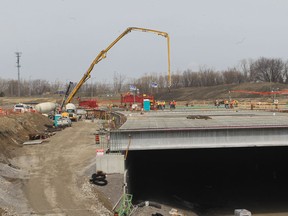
(102,55)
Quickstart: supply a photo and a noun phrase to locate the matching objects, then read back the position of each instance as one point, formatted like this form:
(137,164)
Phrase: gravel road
(59,173)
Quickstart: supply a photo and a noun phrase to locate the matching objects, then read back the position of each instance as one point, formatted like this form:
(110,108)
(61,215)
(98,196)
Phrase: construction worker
(217,103)
(276,103)
(158,105)
(226,102)
(232,104)
(172,104)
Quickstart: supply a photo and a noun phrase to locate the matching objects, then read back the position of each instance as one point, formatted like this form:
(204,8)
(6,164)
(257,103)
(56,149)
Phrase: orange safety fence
(12,112)
(6,111)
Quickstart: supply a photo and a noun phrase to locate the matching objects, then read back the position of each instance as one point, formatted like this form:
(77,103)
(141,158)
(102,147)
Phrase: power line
(18,55)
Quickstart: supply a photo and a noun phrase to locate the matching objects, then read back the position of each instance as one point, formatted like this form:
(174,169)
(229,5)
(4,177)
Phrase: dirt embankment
(52,177)
(15,129)
(221,92)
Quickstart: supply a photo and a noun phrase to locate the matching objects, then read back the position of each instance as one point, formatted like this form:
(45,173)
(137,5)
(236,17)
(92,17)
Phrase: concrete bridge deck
(155,130)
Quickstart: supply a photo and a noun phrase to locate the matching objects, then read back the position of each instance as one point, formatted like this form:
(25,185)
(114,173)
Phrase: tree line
(259,70)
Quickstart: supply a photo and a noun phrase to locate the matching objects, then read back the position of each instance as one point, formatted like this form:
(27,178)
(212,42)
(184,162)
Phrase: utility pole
(18,55)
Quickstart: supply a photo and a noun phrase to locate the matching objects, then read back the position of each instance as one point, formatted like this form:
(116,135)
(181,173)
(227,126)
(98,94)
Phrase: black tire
(98,176)
(100,182)
(94,176)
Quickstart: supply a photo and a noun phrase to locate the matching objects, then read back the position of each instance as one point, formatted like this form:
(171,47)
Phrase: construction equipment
(66,94)
(46,107)
(70,111)
(103,53)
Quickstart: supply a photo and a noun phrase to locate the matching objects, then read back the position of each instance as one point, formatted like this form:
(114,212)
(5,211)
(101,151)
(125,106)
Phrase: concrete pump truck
(103,53)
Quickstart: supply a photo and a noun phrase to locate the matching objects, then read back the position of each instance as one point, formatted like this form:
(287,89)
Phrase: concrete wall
(110,163)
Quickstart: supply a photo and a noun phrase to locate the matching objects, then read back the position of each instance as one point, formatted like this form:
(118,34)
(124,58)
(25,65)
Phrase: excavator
(103,53)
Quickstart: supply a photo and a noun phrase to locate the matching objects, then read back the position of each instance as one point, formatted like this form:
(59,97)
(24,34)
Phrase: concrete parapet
(109,163)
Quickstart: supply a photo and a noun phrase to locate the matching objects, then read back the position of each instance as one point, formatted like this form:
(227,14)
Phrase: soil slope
(15,129)
(220,92)
(48,178)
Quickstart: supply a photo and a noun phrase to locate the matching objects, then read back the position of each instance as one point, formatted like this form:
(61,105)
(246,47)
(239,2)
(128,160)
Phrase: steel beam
(189,138)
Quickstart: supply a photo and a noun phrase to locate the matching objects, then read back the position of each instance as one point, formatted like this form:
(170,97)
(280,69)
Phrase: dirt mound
(15,129)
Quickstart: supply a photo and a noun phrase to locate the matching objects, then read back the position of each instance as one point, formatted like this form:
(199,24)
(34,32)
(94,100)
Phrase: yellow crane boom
(102,55)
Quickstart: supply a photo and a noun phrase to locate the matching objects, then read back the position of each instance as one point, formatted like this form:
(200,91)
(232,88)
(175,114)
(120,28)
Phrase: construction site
(179,152)
(136,162)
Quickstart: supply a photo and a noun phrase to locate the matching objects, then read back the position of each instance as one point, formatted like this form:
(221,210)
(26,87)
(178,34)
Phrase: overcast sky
(59,39)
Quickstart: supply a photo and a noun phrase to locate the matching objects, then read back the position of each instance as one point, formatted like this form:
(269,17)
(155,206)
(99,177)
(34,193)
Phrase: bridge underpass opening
(207,180)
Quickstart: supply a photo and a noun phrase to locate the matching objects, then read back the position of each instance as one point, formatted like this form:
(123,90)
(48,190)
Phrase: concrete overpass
(218,159)
(189,129)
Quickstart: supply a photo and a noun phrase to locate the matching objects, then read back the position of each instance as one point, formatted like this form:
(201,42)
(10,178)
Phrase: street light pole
(18,55)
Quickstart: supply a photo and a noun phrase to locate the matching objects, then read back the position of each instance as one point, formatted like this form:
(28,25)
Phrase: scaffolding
(126,206)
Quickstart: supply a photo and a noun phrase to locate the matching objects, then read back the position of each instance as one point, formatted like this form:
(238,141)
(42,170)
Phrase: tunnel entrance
(212,180)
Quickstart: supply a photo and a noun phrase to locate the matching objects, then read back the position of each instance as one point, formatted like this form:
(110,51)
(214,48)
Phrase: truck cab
(21,108)
(71,112)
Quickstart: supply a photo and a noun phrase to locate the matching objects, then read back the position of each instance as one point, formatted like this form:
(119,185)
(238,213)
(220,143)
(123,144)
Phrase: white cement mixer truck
(46,107)
(70,111)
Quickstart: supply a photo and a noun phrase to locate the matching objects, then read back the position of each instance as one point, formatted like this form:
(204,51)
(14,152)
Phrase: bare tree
(56,86)
(176,80)
(103,88)
(161,82)
(118,81)
(144,83)
(195,79)
(39,87)
(267,70)
(13,88)
(232,76)
(25,87)
(285,73)
(187,78)
(4,85)
(207,76)
(245,68)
